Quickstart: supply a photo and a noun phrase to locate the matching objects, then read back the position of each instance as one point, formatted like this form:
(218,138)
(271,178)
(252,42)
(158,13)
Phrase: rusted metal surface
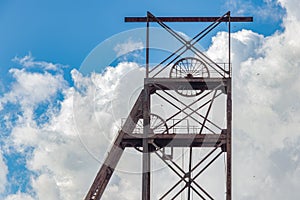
(189,19)
(186,83)
(228,142)
(175,140)
(145,144)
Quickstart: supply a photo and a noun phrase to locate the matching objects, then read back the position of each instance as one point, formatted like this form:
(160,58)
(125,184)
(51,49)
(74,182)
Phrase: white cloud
(292,7)
(29,62)
(47,188)
(266,10)
(19,196)
(3,173)
(68,149)
(245,45)
(266,111)
(31,89)
(127,47)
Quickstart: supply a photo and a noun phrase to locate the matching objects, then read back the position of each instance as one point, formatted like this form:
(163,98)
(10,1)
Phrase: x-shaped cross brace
(189,106)
(189,45)
(187,176)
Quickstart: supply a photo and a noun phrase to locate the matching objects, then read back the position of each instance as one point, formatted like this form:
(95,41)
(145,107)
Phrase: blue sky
(66,31)
(56,36)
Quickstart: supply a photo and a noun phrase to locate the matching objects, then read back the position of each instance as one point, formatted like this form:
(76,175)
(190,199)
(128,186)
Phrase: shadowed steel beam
(228,142)
(176,140)
(186,83)
(189,19)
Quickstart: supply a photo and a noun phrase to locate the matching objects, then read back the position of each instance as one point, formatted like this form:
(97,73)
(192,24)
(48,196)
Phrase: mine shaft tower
(193,85)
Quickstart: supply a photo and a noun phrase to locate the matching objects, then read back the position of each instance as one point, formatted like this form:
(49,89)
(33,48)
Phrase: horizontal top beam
(187,84)
(189,19)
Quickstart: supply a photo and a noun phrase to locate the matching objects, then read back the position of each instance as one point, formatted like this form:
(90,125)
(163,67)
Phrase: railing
(216,70)
(173,127)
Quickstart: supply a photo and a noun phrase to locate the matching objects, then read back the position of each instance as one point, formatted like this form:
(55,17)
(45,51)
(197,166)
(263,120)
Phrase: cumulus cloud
(127,47)
(66,152)
(29,62)
(245,44)
(264,10)
(31,88)
(19,196)
(3,173)
(266,106)
(266,96)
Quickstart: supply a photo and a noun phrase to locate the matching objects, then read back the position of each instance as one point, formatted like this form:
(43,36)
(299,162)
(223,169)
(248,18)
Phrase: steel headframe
(205,90)
(153,84)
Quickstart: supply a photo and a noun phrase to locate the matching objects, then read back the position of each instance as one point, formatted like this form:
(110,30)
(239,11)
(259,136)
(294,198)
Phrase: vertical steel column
(146,128)
(229,118)
(228,143)
(146,153)
(190,173)
(229,41)
(147,47)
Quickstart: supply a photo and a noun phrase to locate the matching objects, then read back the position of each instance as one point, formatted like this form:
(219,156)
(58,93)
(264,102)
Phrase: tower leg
(146,153)
(228,143)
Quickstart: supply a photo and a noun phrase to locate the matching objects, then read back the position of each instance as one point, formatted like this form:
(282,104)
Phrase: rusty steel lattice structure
(193,85)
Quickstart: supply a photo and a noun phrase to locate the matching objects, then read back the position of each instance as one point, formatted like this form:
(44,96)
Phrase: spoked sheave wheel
(157,126)
(189,68)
